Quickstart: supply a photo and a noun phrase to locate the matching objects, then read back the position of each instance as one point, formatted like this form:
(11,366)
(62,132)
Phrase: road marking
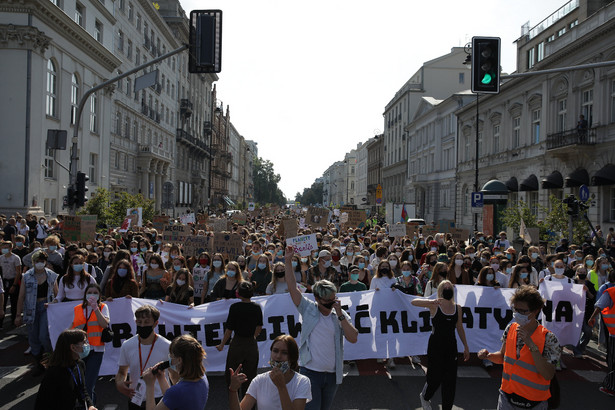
(13,372)
(9,341)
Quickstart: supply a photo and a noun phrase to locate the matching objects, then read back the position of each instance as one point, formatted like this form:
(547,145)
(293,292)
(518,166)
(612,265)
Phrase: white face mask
(154,265)
(458,262)
(393,263)
(180,282)
(559,271)
(39,265)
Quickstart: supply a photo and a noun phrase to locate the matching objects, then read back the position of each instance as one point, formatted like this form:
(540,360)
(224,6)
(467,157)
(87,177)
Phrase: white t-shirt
(502,278)
(129,356)
(322,342)
(9,265)
(280,287)
(266,393)
(78,289)
(382,283)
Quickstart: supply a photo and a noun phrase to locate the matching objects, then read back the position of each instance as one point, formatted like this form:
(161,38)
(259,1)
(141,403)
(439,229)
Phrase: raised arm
(291,282)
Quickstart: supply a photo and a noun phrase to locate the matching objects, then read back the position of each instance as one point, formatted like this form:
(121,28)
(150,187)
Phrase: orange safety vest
(520,376)
(94,330)
(608,313)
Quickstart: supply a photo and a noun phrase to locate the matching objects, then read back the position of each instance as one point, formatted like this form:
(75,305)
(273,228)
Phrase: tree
(266,190)
(112,211)
(311,195)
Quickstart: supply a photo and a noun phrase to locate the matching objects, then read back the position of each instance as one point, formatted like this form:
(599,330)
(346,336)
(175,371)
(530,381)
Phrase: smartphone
(161,367)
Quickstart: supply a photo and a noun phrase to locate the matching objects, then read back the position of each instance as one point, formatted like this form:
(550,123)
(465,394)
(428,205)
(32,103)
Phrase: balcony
(145,150)
(185,108)
(571,138)
(186,138)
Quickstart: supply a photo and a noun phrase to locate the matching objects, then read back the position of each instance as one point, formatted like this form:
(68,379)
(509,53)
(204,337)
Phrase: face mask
(154,265)
(106,254)
(393,263)
(77,268)
(5,251)
(164,254)
(509,256)
(19,244)
(565,260)
(133,250)
(434,249)
(122,272)
(327,264)
(85,352)
(350,254)
(92,298)
(177,267)
(406,273)
(217,264)
(410,258)
(534,255)
(421,242)
(262,266)
(481,239)
(604,267)
(230,273)
(458,262)
(354,276)
(361,265)
(521,319)
(171,365)
(483,260)
(144,331)
(294,264)
(582,276)
(579,258)
(280,253)
(327,305)
(560,271)
(385,271)
(203,262)
(432,263)
(39,265)
(283,366)
(602,255)
(589,262)
(280,274)
(498,253)
(314,255)
(336,258)
(180,282)
(88,246)
(495,266)
(106,241)
(173,256)
(304,260)
(52,248)
(472,255)
(143,250)
(158,242)
(489,277)
(447,293)
(508,270)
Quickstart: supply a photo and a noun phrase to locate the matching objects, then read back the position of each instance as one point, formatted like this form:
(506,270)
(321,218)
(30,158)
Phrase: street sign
(379,195)
(477,202)
(584,193)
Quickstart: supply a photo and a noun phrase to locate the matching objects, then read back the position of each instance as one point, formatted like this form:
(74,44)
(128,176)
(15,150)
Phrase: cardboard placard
(459,235)
(397,230)
(188,219)
(195,244)
(430,230)
(356,218)
(412,228)
(138,212)
(303,245)
(80,228)
(344,217)
(229,245)
(175,233)
(317,217)
(446,225)
(218,224)
(159,222)
(239,218)
(290,227)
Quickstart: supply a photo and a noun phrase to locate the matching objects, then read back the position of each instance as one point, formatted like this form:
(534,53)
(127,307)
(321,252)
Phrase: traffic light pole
(74,158)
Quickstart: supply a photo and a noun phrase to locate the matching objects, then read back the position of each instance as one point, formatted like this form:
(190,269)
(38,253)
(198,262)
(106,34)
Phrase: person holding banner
(321,348)
(155,279)
(529,353)
(226,286)
(180,291)
(122,282)
(278,282)
(200,272)
(261,275)
(442,347)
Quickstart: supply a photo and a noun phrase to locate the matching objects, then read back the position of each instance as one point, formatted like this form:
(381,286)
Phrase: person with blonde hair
(226,286)
(446,317)
(278,283)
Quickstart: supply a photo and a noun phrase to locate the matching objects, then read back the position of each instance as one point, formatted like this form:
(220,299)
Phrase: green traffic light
(487,79)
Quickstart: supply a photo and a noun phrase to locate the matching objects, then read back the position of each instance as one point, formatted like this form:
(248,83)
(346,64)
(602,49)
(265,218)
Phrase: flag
(524,233)
(404,214)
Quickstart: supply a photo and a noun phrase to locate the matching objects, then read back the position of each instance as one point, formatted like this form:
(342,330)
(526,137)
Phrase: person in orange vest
(606,306)
(529,353)
(92,316)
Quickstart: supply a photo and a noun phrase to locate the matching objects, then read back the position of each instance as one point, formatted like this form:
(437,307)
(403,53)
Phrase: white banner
(389,326)
(564,310)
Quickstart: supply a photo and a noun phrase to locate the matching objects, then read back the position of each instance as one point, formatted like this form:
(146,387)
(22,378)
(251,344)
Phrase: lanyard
(77,384)
(151,349)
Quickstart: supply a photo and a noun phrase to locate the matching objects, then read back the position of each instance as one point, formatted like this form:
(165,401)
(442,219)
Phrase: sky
(308,81)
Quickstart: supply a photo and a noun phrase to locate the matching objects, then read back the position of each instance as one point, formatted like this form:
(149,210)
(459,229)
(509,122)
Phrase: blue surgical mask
(406,273)
(354,276)
(350,254)
(534,255)
(158,242)
(521,319)
(133,250)
(144,250)
(294,263)
(19,244)
(171,365)
(217,264)
(489,276)
(604,266)
(410,257)
(5,251)
(122,272)
(280,253)
(230,273)
(361,265)
(177,267)
(262,266)
(327,264)
(52,248)
(589,262)
(78,268)
(508,270)
(523,275)
(85,352)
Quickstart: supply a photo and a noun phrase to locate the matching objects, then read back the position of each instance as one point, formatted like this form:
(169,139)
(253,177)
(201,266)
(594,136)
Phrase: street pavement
(367,385)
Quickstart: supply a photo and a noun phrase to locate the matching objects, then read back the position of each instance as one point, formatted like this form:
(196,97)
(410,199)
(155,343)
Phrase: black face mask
(144,331)
(582,276)
(385,271)
(443,273)
(280,274)
(327,305)
(432,263)
(447,293)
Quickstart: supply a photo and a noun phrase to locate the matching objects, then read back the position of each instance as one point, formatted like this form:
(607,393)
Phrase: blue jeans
(92,366)
(38,332)
(324,387)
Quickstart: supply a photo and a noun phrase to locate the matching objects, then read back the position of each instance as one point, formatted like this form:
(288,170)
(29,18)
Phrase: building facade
(361,177)
(375,153)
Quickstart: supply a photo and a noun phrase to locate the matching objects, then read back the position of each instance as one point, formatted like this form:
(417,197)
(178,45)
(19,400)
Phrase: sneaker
(425,403)
(607,391)
(391,363)
(416,360)
(28,350)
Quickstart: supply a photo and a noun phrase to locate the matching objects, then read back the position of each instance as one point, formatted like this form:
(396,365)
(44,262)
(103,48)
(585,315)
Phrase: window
(540,52)
(145,38)
(530,58)
(49,162)
(125,163)
(56,2)
(74,98)
(128,86)
(480,144)
(79,11)
(534,202)
(496,139)
(120,83)
(93,113)
(516,132)
(116,159)
(138,22)
(587,105)
(612,100)
(551,38)
(120,40)
(93,169)
(561,31)
(574,23)
(536,126)
(130,12)
(129,50)
(462,78)
(120,5)
(98,31)
(52,89)
(561,115)
(467,148)
(118,123)
(127,126)
(137,56)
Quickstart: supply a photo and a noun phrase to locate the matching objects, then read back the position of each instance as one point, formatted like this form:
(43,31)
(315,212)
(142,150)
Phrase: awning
(577,178)
(606,176)
(512,184)
(529,184)
(553,181)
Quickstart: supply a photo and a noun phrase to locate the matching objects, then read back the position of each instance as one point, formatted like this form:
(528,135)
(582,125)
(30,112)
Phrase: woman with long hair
(365,277)
(122,282)
(440,272)
(63,386)
(121,254)
(92,316)
(226,286)
(283,387)
(187,373)
(457,271)
(278,281)
(213,275)
(261,275)
(200,270)
(180,291)
(155,279)
(71,286)
(442,348)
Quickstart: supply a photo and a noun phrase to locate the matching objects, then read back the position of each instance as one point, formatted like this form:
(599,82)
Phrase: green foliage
(112,211)
(311,195)
(512,215)
(266,190)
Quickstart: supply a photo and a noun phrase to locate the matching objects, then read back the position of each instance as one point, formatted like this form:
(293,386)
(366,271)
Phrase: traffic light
(486,65)
(70,196)
(205,46)
(80,198)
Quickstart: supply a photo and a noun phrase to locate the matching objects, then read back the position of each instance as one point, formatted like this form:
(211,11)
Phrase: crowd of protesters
(39,266)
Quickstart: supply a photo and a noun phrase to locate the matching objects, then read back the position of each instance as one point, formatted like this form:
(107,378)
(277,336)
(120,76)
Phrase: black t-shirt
(243,318)
(9,231)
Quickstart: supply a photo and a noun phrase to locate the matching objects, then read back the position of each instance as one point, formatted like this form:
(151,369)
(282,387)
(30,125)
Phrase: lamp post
(468,64)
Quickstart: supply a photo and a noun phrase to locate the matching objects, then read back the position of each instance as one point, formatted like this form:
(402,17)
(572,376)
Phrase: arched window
(118,123)
(74,98)
(52,89)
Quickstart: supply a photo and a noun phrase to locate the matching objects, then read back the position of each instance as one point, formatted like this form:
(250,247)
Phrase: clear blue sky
(309,80)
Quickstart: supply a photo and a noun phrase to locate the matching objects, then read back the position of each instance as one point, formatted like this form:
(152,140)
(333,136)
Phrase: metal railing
(571,137)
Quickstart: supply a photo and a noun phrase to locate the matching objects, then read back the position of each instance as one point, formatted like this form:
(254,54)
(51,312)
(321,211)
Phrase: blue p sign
(477,199)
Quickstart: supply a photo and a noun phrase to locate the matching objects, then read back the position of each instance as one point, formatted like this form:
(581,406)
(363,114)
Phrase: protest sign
(356,218)
(80,228)
(459,235)
(195,244)
(446,225)
(397,230)
(412,229)
(176,233)
(303,245)
(138,212)
(229,245)
(125,225)
(290,227)
(88,227)
(388,324)
(430,230)
(317,217)
(239,218)
(251,206)
(218,224)
(159,221)
(188,219)
(344,217)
